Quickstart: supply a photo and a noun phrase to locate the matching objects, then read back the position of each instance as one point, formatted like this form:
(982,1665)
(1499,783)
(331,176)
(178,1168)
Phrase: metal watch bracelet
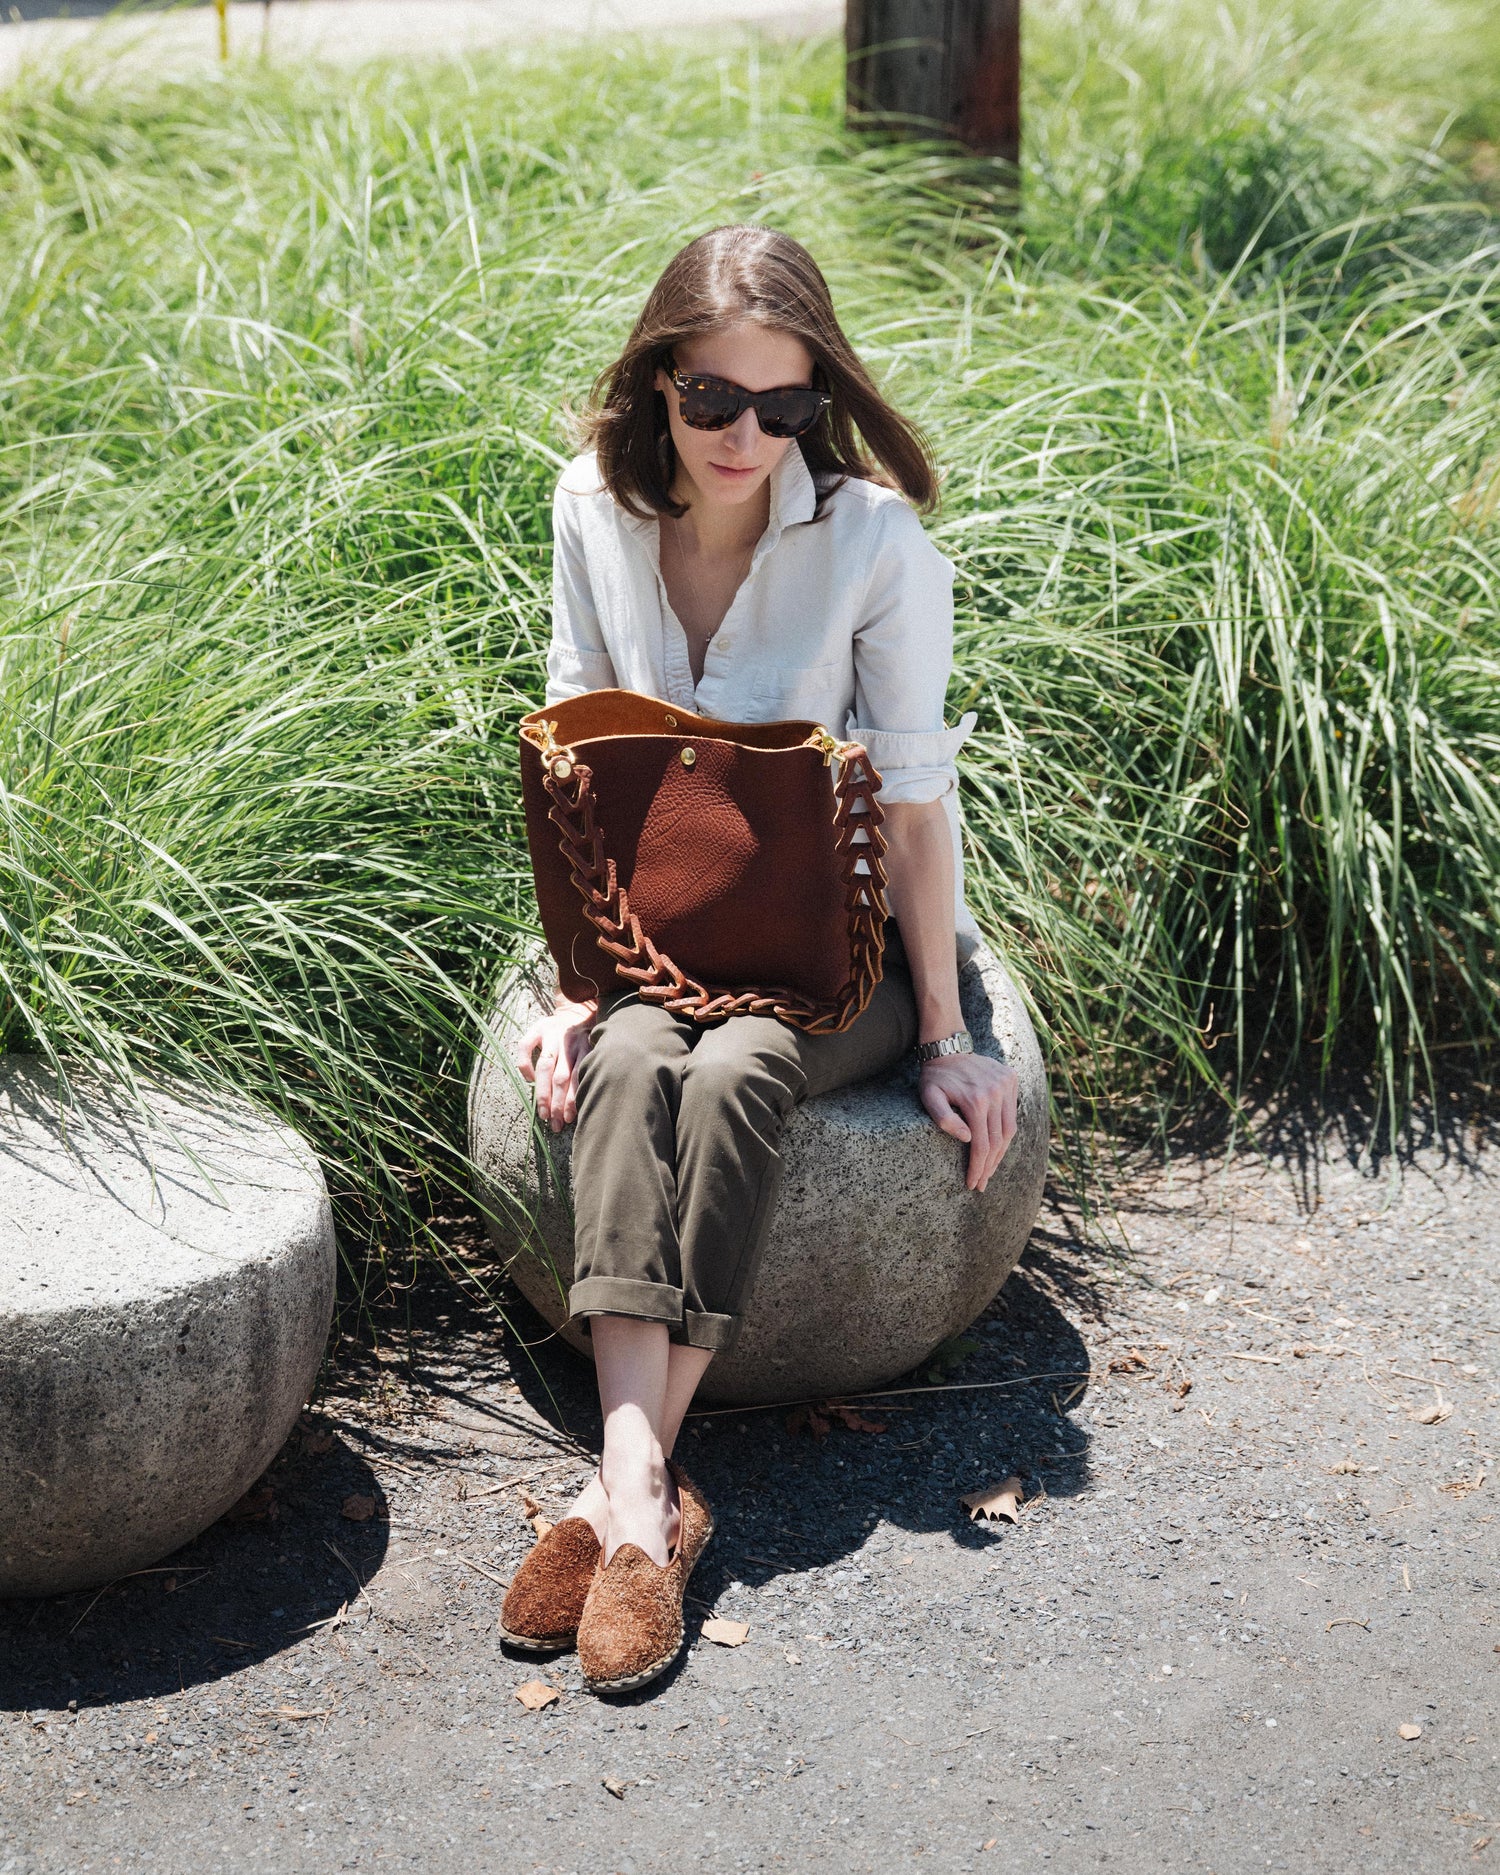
(959,1043)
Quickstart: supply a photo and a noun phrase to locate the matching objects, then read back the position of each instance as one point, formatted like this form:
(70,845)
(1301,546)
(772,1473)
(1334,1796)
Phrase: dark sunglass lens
(707,405)
(788,413)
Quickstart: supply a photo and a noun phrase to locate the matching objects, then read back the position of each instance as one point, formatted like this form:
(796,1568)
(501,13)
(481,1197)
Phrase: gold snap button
(670,720)
(689,756)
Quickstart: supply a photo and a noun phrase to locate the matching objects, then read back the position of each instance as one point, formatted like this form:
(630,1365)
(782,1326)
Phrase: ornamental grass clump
(285,364)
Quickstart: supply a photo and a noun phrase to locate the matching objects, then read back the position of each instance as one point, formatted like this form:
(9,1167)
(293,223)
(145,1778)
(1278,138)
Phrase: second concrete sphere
(166,1286)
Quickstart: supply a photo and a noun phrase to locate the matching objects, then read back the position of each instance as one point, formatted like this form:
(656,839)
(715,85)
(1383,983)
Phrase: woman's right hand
(548,1054)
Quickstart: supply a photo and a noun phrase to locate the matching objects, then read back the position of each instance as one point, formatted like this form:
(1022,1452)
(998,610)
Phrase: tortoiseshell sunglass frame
(686,383)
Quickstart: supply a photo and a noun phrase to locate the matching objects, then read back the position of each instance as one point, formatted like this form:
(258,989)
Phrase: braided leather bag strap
(606,904)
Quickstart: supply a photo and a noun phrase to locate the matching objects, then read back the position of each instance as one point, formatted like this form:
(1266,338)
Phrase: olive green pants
(676,1162)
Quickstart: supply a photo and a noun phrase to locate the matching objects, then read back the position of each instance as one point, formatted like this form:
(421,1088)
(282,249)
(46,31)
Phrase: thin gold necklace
(687,574)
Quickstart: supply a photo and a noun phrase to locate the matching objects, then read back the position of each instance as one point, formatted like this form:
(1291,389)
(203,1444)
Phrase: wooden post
(944,68)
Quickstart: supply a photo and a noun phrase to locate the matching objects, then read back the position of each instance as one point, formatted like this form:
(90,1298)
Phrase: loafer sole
(628,1682)
(533,1644)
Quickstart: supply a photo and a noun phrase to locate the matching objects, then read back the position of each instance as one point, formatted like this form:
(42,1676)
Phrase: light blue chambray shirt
(848,622)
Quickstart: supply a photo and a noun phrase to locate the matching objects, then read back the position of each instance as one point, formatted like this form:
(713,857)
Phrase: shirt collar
(794,497)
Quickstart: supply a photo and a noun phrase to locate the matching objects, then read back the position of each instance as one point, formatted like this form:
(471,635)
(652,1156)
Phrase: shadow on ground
(254,1583)
(1313,1123)
(1001,1401)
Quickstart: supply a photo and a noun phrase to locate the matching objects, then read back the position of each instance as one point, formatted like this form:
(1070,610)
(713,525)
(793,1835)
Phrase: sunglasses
(715,403)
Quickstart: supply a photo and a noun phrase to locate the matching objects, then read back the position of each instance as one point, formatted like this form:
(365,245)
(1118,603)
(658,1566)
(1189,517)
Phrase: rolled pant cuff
(625,1295)
(713,1333)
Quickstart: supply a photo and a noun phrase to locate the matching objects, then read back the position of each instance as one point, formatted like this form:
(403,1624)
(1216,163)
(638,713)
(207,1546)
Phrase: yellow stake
(221,7)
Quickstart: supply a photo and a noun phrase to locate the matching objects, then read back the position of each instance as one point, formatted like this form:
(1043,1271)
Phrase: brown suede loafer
(632,1622)
(544,1602)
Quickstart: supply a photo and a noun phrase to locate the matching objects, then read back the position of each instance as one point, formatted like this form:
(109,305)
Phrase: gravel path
(1244,1564)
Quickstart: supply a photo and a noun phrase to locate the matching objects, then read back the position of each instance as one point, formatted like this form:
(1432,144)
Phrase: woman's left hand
(973,1098)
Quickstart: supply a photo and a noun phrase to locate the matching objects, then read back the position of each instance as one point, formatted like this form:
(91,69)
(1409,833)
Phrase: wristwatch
(961,1043)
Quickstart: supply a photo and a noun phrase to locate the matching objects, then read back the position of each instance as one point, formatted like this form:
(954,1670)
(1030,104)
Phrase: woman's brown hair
(727,276)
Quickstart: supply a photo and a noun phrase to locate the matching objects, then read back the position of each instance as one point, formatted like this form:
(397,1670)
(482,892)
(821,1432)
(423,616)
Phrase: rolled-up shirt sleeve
(577,659)
(903,654)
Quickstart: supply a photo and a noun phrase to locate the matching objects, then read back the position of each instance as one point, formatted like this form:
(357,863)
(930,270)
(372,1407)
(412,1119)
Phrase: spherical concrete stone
(878,1252)
(166,1288)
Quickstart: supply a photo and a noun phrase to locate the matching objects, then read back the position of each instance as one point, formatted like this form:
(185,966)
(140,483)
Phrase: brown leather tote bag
(720,867)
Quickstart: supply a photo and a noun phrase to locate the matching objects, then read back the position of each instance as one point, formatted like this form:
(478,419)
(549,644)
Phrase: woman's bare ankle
(643,1505)
(592,1504)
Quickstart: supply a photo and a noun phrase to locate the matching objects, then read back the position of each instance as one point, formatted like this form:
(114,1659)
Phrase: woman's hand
(558,1042)
(969,1096)
(973,1098)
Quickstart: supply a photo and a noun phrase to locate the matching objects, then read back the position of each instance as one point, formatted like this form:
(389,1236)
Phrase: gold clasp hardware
(559,760)
(825,744)
(543,736)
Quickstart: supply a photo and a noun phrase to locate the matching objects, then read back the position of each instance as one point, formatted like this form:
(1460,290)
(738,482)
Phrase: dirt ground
(1246,1620)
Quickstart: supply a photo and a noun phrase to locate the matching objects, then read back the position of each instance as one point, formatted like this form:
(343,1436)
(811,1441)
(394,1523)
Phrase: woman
(730,545)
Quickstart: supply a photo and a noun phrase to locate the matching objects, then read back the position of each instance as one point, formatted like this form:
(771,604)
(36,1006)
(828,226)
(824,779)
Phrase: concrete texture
(878,1252)
(166,1287)
(347,32)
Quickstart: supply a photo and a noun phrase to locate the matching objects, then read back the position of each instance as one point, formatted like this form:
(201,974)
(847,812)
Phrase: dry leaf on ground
(827,1413)
(1133,1362)
(317,1439)
(613,1786)
(258,1505)
(1000,1500)
(358,1508)
(726,1633)
(1461,1487)
(1345,1468)
(1409,1732)
(532,1512)
(535,1694)
(1434,1415)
